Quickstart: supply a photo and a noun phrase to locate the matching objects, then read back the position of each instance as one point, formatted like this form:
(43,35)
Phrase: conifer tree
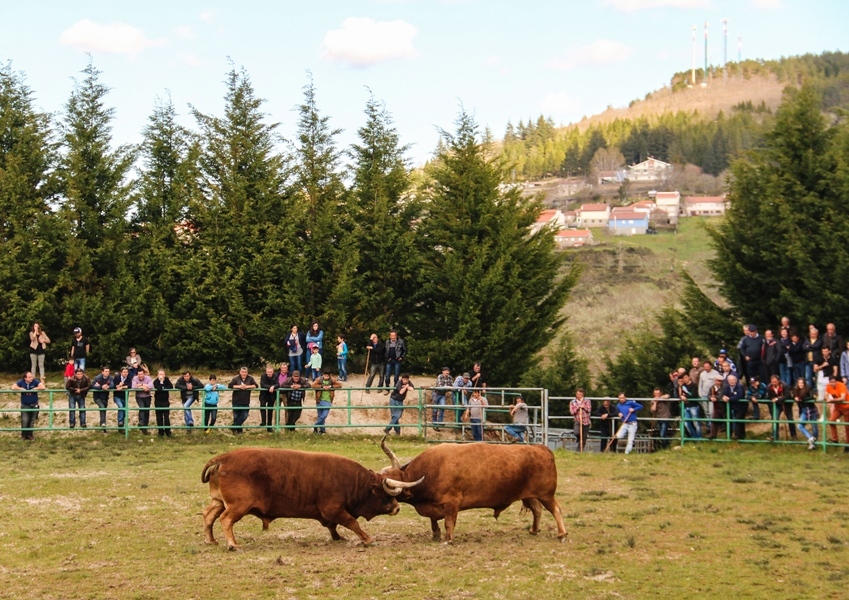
(383,214)
(31,238)
(239,235)
(323,267)
(782,247)
(95,288)
(488,289)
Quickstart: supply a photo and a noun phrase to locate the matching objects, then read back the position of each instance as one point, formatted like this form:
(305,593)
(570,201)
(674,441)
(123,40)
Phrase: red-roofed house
(594,215)
(573,238)
(553,217)
(649,170)
(704,206)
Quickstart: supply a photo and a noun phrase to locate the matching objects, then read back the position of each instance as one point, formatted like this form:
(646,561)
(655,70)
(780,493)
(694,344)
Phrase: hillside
(722,94)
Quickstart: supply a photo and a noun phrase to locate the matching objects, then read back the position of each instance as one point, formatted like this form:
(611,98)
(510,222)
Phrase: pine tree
(234,307)
(782,248)
(324,264)
(33,247)
(489,290)
(383,214)
(95,288)
(162,232)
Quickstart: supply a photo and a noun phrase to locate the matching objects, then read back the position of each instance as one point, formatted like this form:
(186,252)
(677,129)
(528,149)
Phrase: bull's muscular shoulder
(480,460)
(271,462)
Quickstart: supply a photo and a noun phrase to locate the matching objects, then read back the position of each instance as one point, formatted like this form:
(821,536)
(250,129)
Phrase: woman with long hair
(808,413)
(38,342)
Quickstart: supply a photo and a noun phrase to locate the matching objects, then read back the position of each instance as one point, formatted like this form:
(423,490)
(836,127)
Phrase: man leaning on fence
(581,409)
(28,385)
(661,408)
(837,398)
(440,392)
(77,387)
(519,414)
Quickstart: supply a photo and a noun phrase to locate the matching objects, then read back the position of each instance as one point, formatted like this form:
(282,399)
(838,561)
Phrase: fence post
(421,411)
(544,398)
(681,430)
(348,394)
(50,410)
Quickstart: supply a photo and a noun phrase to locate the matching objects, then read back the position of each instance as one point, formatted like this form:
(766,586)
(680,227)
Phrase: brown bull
(273,484)
(478,476)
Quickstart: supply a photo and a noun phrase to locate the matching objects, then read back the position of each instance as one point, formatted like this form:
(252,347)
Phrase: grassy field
(628,279)
(100,517)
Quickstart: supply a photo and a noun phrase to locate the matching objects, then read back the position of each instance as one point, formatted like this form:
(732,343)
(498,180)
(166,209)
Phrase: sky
(426,59)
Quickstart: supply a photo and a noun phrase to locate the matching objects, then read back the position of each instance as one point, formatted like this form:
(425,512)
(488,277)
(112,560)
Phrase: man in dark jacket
(267,397)
(190,387)
(77,387)
(773,355)
(101,385)
(377,358)
(735,395)
(751,353)
(162,402)
(242,384)
(396,351)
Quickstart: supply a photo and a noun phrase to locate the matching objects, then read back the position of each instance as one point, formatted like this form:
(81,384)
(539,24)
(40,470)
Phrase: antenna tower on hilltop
(725,45)
(693,82)
(739,48)
(704,81)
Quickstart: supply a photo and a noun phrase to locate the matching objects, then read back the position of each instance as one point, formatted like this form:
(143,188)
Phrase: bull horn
(396,464)
(393,487)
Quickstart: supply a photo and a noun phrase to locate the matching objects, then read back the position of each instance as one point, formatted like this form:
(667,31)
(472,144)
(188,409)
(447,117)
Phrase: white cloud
(208,16)
(185,32)
(560,105)
(112,38)
(767,4)
(599,52)
(633,5)
(362,42)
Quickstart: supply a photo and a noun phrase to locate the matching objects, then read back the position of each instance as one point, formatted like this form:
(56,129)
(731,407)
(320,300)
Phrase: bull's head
(383,496)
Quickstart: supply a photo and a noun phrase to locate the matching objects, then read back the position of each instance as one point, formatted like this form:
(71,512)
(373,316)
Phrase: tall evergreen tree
(782,248)
(162,232)
(488,288)
(95,286)
(31,238)
(383,214)
(323,266)
(239,234)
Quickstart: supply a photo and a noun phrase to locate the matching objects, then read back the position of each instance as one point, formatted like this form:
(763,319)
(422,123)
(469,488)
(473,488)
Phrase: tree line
(205,245)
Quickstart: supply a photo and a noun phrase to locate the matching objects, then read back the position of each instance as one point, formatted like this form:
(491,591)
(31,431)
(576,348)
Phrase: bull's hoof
(562,537)
(367,543)
(436,537)
(448,543)
(533,531)
(211,542)
(232,548)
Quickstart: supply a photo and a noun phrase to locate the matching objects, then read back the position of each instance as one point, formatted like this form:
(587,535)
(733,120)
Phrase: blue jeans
(694,428)
(121,403)
(240,415)
(809,414)
(477,429)
(187,414)
(210,415)
(517,431)
(323,409)
(296,363)
(663,432)
(342,366)
(438,413)
(393,368)
(809,374)
(75,401)
(785,373)
(79,363)
(395,411)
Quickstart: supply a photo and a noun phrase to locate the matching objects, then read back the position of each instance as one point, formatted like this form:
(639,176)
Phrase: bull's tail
(209,470)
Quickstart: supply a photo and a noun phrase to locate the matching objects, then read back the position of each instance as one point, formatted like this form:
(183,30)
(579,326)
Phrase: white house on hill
(594,215)
(670,203)
(704,206)
(650,169)
(573,238)
(554,217)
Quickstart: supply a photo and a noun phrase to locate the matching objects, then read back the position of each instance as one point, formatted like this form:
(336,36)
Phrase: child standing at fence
(342,357)
(314,364)
(628,413)
(210,402)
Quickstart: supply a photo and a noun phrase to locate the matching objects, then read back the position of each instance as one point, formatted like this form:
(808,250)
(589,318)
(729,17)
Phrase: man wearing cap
(723,358)
(79,349)
(461,394)
(734,394)
(751,353)
(837,397)
(438,396)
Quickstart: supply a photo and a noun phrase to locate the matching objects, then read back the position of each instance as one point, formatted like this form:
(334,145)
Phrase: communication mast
(704,81)
(739,48)
(725,45)
(693,77)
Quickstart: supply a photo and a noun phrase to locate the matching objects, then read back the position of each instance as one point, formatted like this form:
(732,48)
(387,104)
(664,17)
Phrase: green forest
(204,246)
(537,148)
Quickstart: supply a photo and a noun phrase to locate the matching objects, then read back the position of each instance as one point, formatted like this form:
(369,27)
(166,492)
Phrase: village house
(628,222)
(650,169)
(552,217)
(670,203)
(573,238)
(703,206)
(593,215)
